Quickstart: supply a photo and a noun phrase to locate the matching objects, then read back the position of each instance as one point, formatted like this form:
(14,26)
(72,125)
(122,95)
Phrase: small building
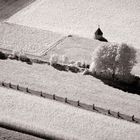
(99,35)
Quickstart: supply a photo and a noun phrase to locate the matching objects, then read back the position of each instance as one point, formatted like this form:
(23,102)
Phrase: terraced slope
(30,40)
(61,121)
(87,89)
(119,19)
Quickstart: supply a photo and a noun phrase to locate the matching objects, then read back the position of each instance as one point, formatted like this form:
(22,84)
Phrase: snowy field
(76,49)
(29,40)
(87,89)
(119,19)
(53,118)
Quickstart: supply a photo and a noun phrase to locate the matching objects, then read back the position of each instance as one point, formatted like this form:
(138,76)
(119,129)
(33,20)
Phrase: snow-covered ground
(30,40)
(119,19)
(87,89)
(53,118)
(76,49)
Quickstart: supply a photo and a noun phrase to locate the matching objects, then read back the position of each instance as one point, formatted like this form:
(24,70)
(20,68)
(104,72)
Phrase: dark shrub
(60,67)
(3,55)
(69,35)
(24,58)
(29,62)
(11,57)
(73,69)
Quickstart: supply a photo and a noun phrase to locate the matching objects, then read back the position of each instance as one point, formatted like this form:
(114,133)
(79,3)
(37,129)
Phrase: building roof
(98,32)
(102,39)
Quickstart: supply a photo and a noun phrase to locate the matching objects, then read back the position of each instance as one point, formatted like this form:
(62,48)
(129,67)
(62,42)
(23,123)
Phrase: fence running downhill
(78,104)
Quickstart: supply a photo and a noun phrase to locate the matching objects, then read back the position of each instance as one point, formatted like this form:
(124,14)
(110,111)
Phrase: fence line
(78,103)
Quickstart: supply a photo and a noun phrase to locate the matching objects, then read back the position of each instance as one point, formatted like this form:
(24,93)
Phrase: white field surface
(81,49)
(87,89)
(29,40)
(76,48)
(54,118)
(119,19)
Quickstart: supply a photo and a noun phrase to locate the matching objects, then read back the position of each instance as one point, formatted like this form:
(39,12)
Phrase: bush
(54,59)
(60,67)
(15,55)
(77,63)
(20,56)
(24,58)
(73,68)
(81,64)
(113,59)
(3,55)
(64,59)
(29,62)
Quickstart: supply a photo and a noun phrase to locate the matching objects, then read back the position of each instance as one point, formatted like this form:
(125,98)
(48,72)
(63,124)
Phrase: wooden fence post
(54,96)
(109,112)
(66,100)
(118,114)
(17,87)
(10,86)
(2,83)
(133,118)
(41,94)
(27,90)
(78,103)
(93,107)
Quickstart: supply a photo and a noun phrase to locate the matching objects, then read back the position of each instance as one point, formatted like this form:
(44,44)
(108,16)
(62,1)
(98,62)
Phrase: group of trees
(111,59)
(114,59)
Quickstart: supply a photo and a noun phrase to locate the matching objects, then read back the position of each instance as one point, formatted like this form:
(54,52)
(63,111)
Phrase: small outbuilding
(99,35)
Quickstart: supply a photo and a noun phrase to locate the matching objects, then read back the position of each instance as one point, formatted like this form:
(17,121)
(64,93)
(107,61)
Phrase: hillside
(29,40)
(119,19)
(41,28)
(87,89)
(39,42)
(59,120)
(76,48)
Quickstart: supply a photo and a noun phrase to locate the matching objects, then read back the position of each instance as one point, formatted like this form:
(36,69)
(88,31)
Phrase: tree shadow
(133,87)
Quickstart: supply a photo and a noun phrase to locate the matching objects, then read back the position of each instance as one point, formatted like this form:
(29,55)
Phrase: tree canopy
(116,59)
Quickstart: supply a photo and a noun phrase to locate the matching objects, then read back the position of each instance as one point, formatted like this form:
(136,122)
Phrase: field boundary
(53,46)
(79,104)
